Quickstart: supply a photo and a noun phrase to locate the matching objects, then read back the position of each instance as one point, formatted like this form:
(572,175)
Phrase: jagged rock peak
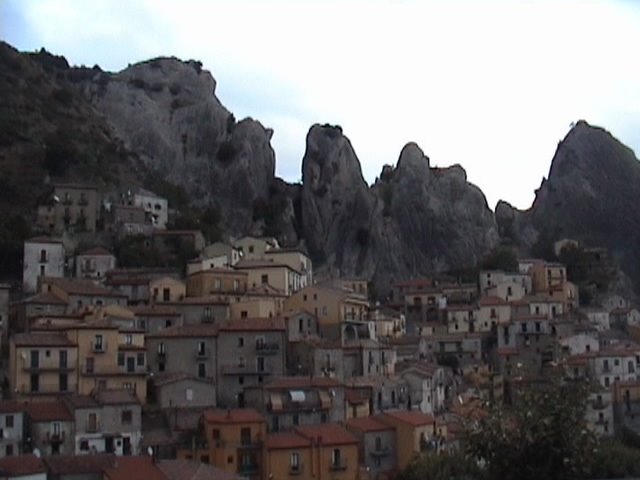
(413,159)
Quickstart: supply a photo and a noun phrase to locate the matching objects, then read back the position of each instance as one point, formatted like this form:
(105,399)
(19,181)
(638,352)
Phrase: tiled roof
(254,324)
(412,417)
(41,340)
(356,396)
(206,300)
(79,464)
(81,401)
(96,252)
(234,415)
(216,270)
(328,434)
(492,301)
(301,382)
(168,378)
(116,397)
(43,239)
(155,310)
(368,424)
(128,468)
(187,331)
(49,411)
(21,466)
(80,287)
(190,470)
(45,298)
(257,263)
(10,406)
(285,440)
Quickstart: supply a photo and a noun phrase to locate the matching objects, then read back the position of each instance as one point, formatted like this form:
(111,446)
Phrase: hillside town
(242,362)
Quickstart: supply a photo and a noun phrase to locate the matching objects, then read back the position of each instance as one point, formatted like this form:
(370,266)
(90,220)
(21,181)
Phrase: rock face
(415,220)
(166,110)
(590,195)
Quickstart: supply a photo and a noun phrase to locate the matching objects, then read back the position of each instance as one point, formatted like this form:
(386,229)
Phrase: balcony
(295,470)
(235,369)
(55,437)
(98,347)
(46,367)
(380,451)
(338,465)
(263,348)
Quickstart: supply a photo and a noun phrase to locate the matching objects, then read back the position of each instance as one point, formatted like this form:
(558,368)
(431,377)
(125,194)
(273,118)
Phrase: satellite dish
(150,451)
(37,453)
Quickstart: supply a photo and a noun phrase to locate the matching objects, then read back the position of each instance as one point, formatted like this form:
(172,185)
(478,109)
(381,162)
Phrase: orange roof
(41,340)
(412,417)
(235,415)
(254,324)
(21,465)
(285,440)
(49,412)
(10,406)
(356,396)
(368,424)
(135,467)
(185,331)
(79,464)
(328,434)
(492,301)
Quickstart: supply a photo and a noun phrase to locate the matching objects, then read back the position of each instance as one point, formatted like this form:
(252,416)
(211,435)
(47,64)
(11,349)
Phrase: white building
(43,257)
(94,264)
(154,205)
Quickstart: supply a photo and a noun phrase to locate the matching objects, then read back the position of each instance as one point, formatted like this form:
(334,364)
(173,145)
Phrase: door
(126,446)
(108,444)
(131,364)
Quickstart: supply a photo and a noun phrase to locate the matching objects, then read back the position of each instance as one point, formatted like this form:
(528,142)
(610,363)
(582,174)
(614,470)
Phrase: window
(240,341)
(127,417)
(43,256)
(92,423)
(241,380)
(35,359)
(217,284)
(62,356)
(89,365)
(335,457)
(97,343)
(296,419)
(295,461)
(260,364)
(34,382)
(161,348)
(324,310)
(8,450)
(127,386)
(201,348)
(140,359)
(121,359)
(189,394)
(245,436)
(300,325)
(264,279)
(236,284)
(84,445)
(378,444)
(63,382)
(201,370)
(128,339)
(8,421)
(323,418)
(537,326)
(42,270)
(166,294)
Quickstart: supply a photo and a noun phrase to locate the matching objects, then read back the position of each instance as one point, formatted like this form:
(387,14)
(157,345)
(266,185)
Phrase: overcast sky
(492,86)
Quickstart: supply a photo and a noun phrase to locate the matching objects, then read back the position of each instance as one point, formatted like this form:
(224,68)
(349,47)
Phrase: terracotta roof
(215,270)
(96,252)
(79,464)
(285,440)
(264,290)
(172,377)
(80,287)
(116,397)
(155,310)
(258,263)
(356,396)
(10,406)
(234,415)
(327,434)
(412,417)
(301,382)
(186,331)
(45,298)
(190,470)
(141,467)
(41,340)
(206,300)
(254,324)
(49,411)
(81,401)
(21,466)
(43,239)
(368,424)
(492,301)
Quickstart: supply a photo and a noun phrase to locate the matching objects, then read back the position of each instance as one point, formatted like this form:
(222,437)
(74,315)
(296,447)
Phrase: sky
(490,85)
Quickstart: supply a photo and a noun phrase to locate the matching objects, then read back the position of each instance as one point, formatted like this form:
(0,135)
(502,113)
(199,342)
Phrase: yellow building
(268,272)
(287,455)
(547,275)
(330,305)
(334,452)
(235,440)
(216,281)
(414,431)
(166,289)
(42,365)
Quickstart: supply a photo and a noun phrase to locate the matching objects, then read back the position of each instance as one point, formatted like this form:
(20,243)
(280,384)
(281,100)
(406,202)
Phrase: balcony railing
(98,347)
(263,348)
(56,437)
(338,465)
(235,369)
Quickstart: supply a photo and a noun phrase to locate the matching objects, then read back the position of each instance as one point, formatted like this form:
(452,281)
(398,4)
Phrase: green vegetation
(501,258)
(449,466)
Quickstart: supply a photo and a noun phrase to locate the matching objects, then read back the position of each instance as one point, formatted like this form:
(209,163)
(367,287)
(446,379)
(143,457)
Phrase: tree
(443,466)
(543,435)
(501,258)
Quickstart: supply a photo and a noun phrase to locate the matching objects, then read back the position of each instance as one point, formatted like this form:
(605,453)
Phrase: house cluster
(246,364)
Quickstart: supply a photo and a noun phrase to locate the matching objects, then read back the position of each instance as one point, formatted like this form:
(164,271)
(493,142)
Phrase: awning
(297,395)
(276,402)
(325,399)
